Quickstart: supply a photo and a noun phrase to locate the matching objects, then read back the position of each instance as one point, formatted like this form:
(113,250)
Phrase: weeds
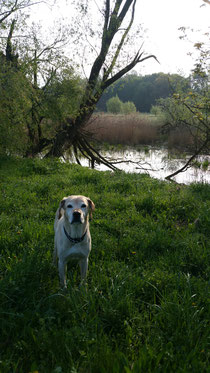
(146,305)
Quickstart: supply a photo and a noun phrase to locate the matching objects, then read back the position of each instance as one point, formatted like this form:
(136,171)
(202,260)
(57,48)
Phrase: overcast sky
(162,20)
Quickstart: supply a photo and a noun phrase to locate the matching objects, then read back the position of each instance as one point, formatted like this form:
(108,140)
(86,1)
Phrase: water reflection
(157,162)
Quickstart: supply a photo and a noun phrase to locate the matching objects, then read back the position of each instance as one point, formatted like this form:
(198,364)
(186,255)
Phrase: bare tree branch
(189,162)
(137,59)
(17,6)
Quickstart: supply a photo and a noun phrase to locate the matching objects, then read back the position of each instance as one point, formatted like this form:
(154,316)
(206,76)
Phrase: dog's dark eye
(69,206)
(83,205)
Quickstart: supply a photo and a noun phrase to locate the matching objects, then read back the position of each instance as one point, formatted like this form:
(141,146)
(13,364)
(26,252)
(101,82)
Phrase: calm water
(157,163)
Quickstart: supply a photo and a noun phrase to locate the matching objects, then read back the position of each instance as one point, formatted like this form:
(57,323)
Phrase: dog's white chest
(76,252)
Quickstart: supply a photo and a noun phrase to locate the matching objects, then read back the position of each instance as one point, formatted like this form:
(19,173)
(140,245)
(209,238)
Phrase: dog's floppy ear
(61,207)
(91,207)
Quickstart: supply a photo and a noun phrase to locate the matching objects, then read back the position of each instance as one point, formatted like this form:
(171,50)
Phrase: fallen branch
(188,163)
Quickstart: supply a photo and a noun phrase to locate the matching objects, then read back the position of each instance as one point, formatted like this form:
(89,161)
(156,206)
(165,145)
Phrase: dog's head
(76,209)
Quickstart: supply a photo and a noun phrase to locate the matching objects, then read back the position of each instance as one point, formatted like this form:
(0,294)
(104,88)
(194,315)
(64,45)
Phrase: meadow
(146,306)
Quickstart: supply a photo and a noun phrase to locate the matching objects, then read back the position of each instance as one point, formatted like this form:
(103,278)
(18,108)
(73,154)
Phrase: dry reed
(130,129)
(136,129)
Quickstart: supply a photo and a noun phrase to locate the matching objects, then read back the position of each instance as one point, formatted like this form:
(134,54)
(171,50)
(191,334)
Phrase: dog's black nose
(76,216)
(76,213)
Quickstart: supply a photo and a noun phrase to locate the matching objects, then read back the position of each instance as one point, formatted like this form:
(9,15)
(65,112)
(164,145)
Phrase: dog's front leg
(83,268)
(62,272)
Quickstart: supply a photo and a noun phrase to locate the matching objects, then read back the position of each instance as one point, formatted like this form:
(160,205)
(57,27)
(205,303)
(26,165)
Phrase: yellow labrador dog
(72,235)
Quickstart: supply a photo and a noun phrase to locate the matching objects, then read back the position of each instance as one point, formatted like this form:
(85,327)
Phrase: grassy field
(146,304)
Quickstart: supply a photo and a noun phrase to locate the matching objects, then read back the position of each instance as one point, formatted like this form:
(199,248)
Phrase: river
(157,162)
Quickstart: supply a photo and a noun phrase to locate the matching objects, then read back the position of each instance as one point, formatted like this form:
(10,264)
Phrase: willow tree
(118,18)
(108,66)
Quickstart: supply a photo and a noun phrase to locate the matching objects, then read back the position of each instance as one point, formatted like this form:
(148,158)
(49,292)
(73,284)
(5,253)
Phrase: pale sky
(161,19)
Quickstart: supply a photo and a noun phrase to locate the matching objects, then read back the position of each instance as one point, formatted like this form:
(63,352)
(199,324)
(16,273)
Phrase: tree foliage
(116,106)
(143,91)
(128,107)
(11,7)
(15,105)
(38,85)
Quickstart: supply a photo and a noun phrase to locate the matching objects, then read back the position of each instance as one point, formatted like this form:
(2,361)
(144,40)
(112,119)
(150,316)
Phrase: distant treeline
(143,91)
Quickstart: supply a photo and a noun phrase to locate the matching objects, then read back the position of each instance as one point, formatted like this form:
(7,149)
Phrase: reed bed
(130,129)
(137,129)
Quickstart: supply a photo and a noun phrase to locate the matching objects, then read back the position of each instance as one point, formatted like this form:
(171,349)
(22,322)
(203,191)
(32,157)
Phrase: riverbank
(158,162)
(145,309)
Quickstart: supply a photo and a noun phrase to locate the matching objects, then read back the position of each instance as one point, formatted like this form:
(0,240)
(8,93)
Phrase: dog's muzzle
(76,217)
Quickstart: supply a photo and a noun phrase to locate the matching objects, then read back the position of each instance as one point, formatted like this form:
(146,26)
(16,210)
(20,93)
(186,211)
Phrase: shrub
(114,105)
(128,107)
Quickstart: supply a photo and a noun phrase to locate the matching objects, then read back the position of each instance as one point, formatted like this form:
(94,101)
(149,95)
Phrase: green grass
(146,305)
